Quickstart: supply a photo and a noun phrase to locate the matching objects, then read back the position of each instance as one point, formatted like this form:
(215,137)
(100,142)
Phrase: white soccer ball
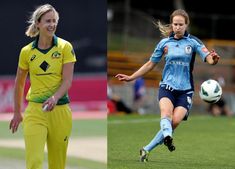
(210,91)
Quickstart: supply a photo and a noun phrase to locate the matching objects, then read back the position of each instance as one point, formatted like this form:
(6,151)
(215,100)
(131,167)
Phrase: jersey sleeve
(158,52)
(69,54)
(202,51)
(23,59)
(200,48)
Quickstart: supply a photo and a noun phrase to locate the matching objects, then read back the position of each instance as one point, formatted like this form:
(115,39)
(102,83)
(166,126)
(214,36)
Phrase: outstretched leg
(157,140)
(167,108)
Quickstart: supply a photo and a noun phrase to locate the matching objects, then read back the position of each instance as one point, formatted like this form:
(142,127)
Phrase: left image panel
(53,85)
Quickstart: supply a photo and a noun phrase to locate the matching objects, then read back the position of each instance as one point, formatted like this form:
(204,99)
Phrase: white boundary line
(157,119)
(133,121)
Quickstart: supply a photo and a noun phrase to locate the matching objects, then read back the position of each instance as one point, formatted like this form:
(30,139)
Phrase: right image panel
(170,85)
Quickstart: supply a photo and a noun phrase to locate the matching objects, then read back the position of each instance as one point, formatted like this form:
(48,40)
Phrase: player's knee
(166,113)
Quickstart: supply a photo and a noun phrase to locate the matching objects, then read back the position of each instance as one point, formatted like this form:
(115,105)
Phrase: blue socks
(158,139)
(166,130)
(166,127)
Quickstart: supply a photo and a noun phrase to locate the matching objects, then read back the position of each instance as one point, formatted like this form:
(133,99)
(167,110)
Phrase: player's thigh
(35,135)
(166,102)
(34,125)
(59,123)
(166,107)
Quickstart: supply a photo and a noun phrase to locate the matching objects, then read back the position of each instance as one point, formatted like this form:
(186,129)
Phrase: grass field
(13,158)
(202,142)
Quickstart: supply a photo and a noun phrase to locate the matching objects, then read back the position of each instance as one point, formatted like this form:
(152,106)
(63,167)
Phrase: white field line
(130,121)
(133,121)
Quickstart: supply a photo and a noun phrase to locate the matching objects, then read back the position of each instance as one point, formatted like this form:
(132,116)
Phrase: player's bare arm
(147,67)
(18,96)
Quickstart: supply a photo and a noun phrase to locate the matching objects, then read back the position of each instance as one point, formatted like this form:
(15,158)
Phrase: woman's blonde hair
(32,30)
(166,29)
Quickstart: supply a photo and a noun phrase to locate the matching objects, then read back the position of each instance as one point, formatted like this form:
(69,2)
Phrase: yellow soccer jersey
(45,68)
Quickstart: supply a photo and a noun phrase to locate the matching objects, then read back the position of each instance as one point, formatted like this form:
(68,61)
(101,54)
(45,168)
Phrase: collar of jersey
(186,34)
(35,42)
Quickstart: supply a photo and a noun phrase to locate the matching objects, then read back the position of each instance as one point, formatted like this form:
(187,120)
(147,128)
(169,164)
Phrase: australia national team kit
(54,127)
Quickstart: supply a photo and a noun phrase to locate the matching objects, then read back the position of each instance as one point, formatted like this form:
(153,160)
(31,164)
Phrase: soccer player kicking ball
(176,88)
(47,119)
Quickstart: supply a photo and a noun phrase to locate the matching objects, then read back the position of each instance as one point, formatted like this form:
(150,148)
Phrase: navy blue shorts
(178,97)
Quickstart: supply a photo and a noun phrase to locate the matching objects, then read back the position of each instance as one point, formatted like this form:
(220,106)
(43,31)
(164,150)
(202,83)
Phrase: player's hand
(215,56)
(15,121)
(51,103)
(123,77)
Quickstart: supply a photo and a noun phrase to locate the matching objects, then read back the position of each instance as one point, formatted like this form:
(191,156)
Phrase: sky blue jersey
(179,56)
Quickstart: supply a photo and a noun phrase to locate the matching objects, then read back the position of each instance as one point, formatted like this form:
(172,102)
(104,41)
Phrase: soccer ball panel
(210,91)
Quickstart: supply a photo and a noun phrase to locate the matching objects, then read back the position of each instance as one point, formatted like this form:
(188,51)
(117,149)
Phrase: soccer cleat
(168,141)
(144,155)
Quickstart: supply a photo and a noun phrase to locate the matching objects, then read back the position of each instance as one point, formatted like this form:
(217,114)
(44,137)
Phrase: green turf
(203,142)
(86,128)
(5,132)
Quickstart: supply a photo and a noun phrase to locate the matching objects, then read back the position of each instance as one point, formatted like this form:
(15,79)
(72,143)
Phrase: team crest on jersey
(32,57)
(188,49)
(55,55)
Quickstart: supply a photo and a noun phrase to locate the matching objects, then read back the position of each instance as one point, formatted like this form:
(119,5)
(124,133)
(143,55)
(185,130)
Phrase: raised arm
(148,66)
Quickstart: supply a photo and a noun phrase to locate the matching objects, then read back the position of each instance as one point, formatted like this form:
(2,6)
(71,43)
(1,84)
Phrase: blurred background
(84,24)
(132,37)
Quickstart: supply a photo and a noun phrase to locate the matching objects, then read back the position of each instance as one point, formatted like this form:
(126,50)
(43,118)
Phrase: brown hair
(167,28)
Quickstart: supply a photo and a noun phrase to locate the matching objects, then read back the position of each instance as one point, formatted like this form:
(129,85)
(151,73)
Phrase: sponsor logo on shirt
(44,66)
(179,63)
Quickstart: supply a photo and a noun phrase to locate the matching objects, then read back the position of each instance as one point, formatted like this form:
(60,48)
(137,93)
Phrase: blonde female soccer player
(49,61)
(176,88)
